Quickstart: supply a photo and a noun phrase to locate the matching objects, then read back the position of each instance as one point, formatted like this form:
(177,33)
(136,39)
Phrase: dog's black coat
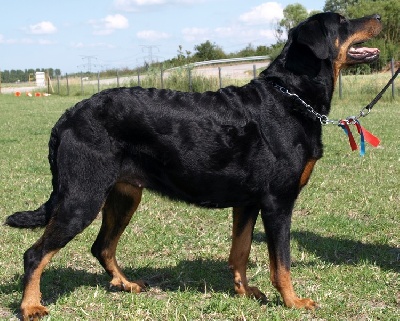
(243,147)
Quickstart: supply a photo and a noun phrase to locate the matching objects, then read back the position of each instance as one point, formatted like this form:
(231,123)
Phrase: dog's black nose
(377,17)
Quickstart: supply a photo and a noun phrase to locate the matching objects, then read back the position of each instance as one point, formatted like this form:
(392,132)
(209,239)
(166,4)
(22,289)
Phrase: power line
(88,65)
(150,52)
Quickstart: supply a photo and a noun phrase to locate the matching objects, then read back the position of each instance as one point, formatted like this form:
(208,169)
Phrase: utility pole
(149,50)
(89,64)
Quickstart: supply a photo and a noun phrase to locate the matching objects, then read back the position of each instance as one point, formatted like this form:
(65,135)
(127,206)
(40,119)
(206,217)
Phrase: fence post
(220,77)
(254,72)
(190,80)
(48,81)
(82,92)
(138,77)
(340,85)
(117,79)
(162,77)
(58,84)
(392,68)
(66,76)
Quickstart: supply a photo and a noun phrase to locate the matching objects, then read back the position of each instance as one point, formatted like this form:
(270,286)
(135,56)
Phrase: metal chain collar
(324,120)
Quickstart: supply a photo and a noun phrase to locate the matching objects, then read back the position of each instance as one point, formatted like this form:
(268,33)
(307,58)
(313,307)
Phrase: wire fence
(183,79)
(198,79)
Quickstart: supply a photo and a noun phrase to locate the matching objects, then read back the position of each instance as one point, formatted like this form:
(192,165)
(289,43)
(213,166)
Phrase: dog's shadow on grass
(343,251)
(196,275)
(207,275)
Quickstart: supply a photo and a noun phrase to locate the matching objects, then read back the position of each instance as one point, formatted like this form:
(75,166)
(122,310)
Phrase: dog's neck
(309,83)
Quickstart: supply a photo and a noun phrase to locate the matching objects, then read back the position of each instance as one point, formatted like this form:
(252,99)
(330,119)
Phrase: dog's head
(330,36)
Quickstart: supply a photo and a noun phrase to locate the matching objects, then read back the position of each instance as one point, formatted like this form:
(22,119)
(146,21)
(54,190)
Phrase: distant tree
(181,57)
(50,72)
(313,12)
(261,51)
(5,76)
(12,76)
(208,51)
(339,6)
(248,51)
(275,49)
(293,14)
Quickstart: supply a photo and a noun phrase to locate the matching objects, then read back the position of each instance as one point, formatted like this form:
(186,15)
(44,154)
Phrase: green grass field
(345,233)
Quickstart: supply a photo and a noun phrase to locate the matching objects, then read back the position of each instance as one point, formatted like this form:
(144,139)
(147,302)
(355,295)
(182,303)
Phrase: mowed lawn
(345,233)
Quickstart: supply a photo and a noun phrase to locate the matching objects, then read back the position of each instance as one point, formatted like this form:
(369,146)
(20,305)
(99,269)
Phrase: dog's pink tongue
(364,50)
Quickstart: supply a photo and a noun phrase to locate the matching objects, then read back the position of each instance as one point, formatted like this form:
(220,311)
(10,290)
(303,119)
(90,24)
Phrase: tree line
(388,41)
(14,76)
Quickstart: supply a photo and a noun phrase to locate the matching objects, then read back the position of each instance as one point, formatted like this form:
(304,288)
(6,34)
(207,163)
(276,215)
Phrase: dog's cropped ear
(311,35)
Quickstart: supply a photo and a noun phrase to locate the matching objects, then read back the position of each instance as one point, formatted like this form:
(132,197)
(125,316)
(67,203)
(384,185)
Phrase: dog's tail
(42,215)
(30,219)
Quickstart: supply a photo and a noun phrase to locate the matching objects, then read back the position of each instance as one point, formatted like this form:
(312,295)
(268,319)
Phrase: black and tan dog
(251,148)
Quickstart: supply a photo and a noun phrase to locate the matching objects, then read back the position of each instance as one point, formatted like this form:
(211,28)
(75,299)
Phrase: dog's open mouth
(363,54)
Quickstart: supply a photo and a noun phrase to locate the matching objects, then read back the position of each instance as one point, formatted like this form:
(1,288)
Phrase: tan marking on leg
(31,308)
(114,233)
(281,280)
(239,255)
(307,172)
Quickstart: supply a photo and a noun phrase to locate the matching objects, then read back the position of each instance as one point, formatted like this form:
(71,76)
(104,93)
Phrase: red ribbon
(346,128)
(370,138)
(365,135)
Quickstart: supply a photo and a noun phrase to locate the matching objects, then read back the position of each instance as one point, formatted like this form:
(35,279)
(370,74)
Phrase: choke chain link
(324,120)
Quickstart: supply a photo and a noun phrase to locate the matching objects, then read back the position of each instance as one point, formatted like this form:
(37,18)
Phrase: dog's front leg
(277,229)
(244,220)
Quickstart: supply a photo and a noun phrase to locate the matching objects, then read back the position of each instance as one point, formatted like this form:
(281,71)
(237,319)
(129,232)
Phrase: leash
(351,120)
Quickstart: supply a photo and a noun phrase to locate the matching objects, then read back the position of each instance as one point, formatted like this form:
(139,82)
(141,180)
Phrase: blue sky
(124,33)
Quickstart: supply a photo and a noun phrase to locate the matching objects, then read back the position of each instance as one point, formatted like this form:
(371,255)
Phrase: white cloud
(231,34)
(196,34)
(127,3)
(135,5)
(117,21)
(45,42)
(79,45)
(109,24)
(25,41)
(268,34)
(245,30)
(238,34)
(265,13)
(42,28)
(152,35)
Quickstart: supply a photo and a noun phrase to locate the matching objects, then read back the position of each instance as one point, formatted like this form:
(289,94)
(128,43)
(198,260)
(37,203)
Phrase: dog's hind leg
(71,216)
(120,205)
(244,220)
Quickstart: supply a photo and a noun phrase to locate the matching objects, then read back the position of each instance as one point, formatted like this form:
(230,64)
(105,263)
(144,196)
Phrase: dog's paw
(302,303)
(127,286)
(34,313)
